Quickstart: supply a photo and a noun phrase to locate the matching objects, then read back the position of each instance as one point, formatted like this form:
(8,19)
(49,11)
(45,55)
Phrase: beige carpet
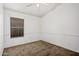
(38,48)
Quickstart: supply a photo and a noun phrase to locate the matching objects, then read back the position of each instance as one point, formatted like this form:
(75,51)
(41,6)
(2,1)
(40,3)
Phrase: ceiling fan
(36,4)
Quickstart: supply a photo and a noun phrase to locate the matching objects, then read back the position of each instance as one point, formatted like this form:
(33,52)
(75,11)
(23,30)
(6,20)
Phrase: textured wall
(31,28)
(61,26)
(1,28)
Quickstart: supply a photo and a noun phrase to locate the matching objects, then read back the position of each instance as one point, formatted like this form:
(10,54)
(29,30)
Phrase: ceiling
(32,8)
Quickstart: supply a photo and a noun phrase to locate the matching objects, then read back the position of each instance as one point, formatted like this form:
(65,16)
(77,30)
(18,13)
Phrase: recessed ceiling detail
(36,9)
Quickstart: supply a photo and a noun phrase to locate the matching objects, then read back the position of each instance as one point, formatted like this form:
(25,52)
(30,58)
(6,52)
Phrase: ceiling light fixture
(37,5)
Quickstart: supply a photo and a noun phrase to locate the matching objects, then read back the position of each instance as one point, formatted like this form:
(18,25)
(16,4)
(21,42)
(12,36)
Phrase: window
(17,27)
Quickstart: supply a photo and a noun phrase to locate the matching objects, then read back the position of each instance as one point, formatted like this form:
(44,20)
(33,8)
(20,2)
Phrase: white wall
(31,28)
(1,29)
(61,26)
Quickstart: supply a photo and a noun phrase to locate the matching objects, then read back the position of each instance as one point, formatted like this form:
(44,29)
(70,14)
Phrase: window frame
(15,28)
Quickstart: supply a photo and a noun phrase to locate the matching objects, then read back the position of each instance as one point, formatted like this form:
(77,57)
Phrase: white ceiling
(33,9)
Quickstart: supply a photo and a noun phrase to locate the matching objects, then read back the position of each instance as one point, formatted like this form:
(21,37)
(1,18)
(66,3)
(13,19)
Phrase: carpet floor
(38,48)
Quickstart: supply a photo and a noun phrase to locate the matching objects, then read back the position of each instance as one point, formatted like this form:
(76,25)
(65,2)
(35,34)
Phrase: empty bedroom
(39,29)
